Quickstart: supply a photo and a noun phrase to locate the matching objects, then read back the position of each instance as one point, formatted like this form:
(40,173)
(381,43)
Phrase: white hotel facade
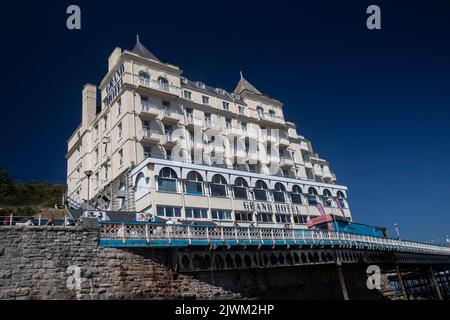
(179,149)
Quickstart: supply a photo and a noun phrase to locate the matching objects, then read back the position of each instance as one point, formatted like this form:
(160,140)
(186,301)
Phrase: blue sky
(376,104)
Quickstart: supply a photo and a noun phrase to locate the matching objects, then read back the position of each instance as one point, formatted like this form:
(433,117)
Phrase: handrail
(138,231)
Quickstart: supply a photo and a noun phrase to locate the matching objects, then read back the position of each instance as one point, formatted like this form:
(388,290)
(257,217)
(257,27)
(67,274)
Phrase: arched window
(341,199)
(296,196)
(121,196)
(167,180)
(340,194)
(144,78)
(326,198)
(141,184)
(260,109)
(194,183)
(218,186)
(261,190)
(278,193)
(312,196)
(164,83)
(272,113)
(240,188)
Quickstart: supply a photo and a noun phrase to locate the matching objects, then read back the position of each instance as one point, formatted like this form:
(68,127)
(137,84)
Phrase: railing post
(221,234)
(249,235)
(273,239)
(260,235)
(207,235)
(39,220)
(123,233)
(65,221)
(11,220)
(293,236)
(147,236)
(189,234)
(236,235)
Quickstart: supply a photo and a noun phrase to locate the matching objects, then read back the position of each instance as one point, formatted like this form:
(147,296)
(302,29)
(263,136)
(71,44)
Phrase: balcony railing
(270,117)
(158,86)
(151,134)
(147,234)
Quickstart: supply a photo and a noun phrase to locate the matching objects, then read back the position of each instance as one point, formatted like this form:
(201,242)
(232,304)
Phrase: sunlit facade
(182,150)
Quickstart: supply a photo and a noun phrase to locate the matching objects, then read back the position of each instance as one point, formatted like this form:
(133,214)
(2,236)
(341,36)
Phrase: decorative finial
(242,75)
(137,38)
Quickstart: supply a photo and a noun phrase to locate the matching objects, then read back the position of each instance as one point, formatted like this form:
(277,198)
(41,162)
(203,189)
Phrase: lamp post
(396,230)
(88,174)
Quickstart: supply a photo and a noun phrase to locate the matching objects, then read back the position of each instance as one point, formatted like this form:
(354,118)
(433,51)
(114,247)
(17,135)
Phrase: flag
(321,209)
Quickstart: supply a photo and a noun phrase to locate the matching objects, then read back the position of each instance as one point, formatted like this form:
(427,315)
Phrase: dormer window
(201,85)
(226,105)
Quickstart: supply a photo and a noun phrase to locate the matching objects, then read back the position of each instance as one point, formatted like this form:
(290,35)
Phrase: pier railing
(163,235)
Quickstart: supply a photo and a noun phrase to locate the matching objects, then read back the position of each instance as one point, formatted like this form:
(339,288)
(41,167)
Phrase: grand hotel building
(179,149)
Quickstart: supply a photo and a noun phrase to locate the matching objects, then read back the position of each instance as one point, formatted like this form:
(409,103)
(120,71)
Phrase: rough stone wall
(42,263)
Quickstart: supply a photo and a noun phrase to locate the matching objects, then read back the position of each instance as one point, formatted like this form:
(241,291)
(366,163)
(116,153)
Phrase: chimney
(113,58)
(89,104)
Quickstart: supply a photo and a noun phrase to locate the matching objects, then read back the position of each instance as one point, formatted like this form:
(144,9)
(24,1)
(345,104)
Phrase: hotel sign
(115,85)
(265,207)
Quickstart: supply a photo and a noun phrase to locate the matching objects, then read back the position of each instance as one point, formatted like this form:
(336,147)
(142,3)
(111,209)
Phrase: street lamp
(88,174)
(396,230)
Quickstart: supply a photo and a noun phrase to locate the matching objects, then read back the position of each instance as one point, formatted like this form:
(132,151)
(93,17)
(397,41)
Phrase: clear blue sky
(376,104)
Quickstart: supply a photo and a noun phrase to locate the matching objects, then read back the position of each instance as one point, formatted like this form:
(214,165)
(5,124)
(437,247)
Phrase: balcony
(193,122)
(210,124)
(170,139)
(150,110)
(170,115)
(286,162)
(165,89)
(270,118)
(304,146)
(284,141)
(150,136)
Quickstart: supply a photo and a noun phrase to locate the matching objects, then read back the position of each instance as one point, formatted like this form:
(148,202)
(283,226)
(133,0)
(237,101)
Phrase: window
(96,132)
(187,95)
(96,155)
(144,78)
(218,186)
(264,217)
(120,130)
(196,213)
(260,110)
(283,218)
(341,199)
(241,109)
(205,100)
(226,105)
(244,216)
(272,113)
(300,219)
(97,180)
(105,148)
(208,119)
(120,153)
(326,198)
(228,123)
(221,214)
(168,212)
(296,195)
(260,190)
(278,193)
(106,171)
(166,103)
(147,152)
(312,196)
(194,183)
(243,126)
(119,107)
(240,189)
(167,180)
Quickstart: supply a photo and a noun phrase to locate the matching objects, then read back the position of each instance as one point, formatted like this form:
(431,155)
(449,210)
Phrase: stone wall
(45,263)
